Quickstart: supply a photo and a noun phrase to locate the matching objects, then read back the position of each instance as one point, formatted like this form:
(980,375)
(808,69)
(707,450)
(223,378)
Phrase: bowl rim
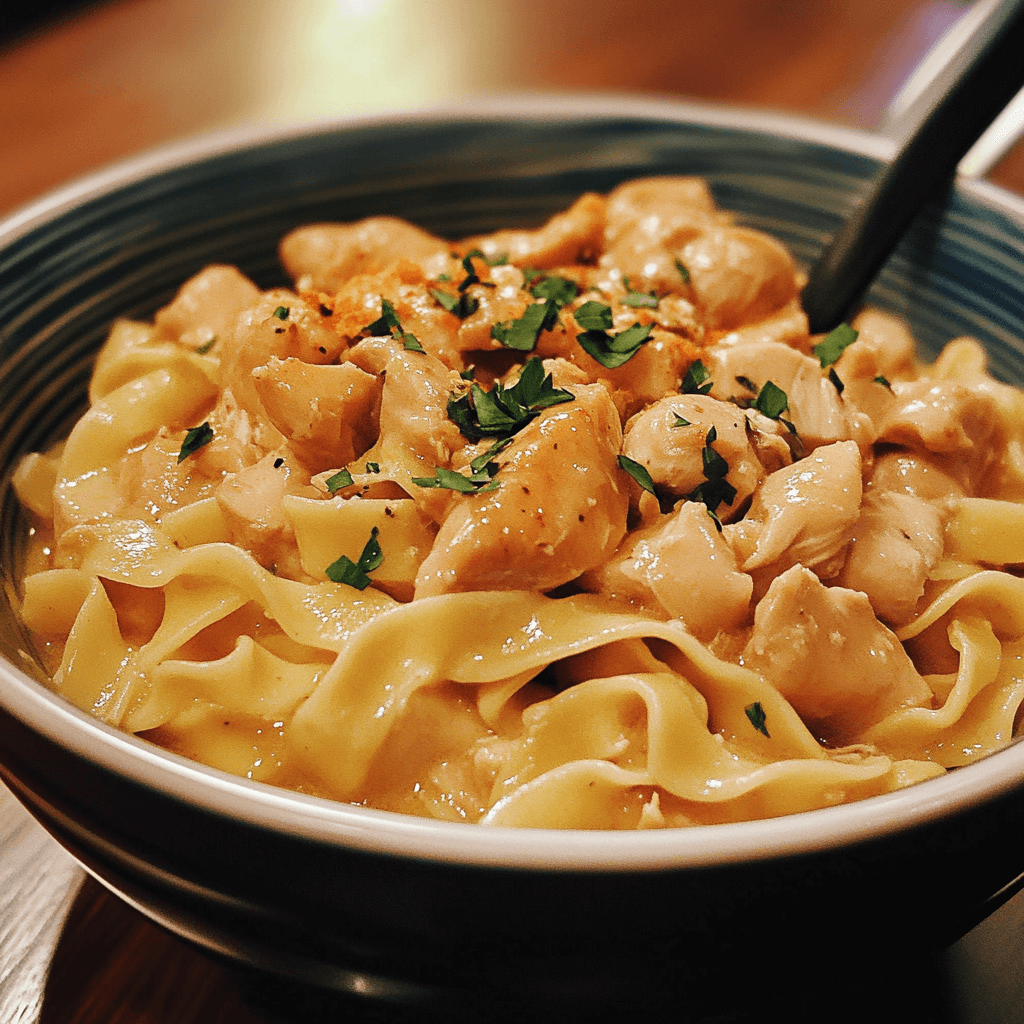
(365,829)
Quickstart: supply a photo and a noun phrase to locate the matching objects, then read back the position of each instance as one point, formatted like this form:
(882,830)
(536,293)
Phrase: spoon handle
(989,79)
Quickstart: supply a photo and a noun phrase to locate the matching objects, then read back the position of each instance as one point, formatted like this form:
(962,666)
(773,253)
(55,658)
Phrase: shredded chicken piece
(324,256)
(823,649)
(897,541)
(560,511)
(673,452)
(205,308)
(569,237)
(806,512)
(681,564)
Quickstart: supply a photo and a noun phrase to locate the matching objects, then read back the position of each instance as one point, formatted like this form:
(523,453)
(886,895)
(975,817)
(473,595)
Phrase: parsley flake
(388,323)
(610,350)
(697,380)
(206,346)
(884,381)
(684,272)
(638,472)
(638,300)
(771,401)
(372,467)
(522,334)
(282,312)
(829,350)
(462,305)
(356,574)
(680,422)
(343,478)
(504,411)
(195,439)
(715,490)
(559,290)
(756,716)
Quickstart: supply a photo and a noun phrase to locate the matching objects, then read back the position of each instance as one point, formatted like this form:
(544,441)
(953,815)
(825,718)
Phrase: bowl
(437,914)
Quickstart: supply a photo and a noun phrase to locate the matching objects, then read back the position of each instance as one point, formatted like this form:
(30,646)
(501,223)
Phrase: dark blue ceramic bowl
(403,909)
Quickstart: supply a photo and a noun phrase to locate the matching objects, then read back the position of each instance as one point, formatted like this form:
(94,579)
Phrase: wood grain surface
(122,76)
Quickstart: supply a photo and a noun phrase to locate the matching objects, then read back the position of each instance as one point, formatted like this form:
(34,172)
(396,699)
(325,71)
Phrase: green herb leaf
(195,439)
(468,373)
(684,273)
(343,478)
(450,480)
(829,350)
(502,412)
(610,350)
(715,490)
(883,381)
(522,334)
(410,342)
(282,312)
(680,422)
(772,401)
(755,714)
(462,305)
(206,346)
(594,316)
(387,322)
(559,290)
(640,300)
(638,473)
(697,380)
(356,574)
(372,467)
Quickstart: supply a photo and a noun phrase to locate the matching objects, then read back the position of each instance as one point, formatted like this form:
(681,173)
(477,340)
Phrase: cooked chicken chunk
(560,508)
(823,649)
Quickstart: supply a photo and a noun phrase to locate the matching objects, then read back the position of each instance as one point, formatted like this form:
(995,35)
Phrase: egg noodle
(566,527)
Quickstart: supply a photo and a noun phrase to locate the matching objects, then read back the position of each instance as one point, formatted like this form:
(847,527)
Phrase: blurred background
(84,83)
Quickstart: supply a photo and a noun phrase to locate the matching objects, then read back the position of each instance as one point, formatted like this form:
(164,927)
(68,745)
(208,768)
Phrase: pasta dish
(573,526)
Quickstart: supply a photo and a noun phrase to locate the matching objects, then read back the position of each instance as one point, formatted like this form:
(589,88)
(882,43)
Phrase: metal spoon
(972,87)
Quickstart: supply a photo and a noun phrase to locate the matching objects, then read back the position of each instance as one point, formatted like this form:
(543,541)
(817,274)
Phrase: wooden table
(131,74)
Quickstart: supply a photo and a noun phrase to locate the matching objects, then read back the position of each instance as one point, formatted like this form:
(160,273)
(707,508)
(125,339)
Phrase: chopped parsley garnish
(829,350)
(206,346)
(504,411)
(522,334)
(372,467)
(884,381)
(559,290)
(610,350)
(756,716)
(684,273)
(195,439)
(468,373)
(680,422)
(462,305)
(771,401)
(481,472)
(282,312)
(834,377)
(638,300)
(594,316)
(343,478)
(450,480)
(638,473)
(355,574)
(388,323)
(697,380)
(715,490)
